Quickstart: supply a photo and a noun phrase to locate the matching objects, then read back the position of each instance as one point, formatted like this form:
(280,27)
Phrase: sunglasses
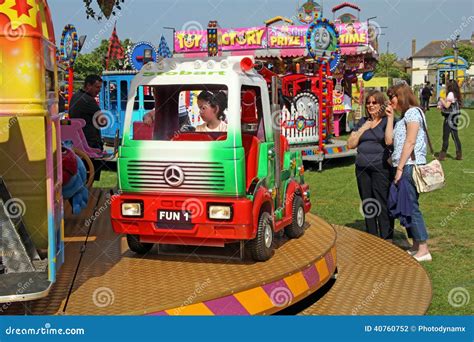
(371,103)
(391,96)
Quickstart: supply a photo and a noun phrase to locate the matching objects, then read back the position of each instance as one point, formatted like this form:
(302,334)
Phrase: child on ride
(211,109)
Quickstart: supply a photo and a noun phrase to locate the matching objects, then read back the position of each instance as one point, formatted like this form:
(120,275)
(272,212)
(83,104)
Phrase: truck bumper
(201,230)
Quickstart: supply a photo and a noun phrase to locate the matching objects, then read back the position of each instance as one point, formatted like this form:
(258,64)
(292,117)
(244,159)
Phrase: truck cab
(179,185)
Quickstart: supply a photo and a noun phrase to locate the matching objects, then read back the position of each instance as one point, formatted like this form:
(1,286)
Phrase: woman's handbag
(452,110)
(428,177)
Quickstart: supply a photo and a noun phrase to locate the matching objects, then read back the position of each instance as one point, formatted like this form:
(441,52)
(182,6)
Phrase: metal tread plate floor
(374,278)
(113,280)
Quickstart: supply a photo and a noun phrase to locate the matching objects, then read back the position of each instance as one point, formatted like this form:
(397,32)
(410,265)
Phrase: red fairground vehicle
(185,186)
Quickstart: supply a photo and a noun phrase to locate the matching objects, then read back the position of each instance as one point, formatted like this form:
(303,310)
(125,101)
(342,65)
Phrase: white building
(430,53)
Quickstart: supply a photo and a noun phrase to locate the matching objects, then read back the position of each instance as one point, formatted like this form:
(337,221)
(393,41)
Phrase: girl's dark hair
(405,97)
(379,98)
(452,86)
(215,100)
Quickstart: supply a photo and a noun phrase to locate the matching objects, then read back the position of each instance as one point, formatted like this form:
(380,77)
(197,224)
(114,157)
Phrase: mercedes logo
(174,175)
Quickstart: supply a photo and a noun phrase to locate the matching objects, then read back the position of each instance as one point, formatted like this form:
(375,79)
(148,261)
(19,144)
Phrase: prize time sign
(262,37)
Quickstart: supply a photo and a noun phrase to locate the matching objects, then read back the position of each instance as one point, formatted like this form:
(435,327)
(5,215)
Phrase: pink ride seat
(71,129)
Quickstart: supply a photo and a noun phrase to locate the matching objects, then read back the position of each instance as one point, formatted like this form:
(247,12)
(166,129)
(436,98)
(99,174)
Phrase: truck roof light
(210,64)
(224,64)
(246,64)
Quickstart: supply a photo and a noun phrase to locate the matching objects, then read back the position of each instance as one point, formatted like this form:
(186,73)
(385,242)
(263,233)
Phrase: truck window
(177,115)
(148,99)
(252,112)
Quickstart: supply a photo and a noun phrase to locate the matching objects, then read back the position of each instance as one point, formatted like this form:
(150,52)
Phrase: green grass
(108,179)
(335,198)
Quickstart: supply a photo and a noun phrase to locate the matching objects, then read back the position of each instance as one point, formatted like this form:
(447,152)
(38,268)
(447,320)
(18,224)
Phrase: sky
(143,20)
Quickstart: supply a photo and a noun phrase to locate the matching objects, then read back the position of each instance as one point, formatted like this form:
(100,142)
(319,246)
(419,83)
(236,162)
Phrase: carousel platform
(373,277)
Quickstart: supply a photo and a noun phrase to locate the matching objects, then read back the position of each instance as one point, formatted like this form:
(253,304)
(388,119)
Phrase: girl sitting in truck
(211,109)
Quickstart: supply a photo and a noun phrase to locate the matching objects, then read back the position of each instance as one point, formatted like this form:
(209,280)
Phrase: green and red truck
(185,187)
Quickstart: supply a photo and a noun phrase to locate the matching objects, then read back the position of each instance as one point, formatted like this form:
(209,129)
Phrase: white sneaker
(412,252)
(426,257)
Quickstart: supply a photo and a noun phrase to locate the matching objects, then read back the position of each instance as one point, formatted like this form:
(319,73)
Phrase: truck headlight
(132,209)
(220,212)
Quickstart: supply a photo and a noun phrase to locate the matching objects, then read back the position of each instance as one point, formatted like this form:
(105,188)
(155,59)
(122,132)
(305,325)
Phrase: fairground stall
(316,61)
(444,69)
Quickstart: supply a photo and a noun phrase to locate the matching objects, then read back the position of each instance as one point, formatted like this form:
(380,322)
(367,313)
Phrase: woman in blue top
(372,169)
(409,148)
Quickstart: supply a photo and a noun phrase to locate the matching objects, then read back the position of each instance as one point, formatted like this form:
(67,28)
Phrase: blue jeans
(417,228)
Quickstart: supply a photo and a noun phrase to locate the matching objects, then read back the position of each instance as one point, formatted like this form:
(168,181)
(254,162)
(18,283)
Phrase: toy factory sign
(262,37)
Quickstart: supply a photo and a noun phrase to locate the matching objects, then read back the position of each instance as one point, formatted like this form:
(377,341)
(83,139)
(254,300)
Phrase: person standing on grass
(372,168)
(451,110)
(425,97)
(409,148)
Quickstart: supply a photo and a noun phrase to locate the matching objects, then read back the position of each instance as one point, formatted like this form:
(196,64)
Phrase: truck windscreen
(184,113)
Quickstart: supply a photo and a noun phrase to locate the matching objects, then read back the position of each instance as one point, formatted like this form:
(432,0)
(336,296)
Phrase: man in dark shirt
(425,97)
(84,106)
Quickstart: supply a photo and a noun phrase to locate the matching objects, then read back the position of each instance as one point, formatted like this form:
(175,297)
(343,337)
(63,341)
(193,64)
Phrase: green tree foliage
(387,67)
(107,8)
(94,62)
(466,51)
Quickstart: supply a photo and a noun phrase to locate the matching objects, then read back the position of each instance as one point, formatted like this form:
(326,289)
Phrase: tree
(94,62)
(466,51)
(387,67)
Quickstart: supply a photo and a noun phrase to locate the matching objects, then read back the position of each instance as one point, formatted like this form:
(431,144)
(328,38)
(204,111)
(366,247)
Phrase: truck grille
(198,176)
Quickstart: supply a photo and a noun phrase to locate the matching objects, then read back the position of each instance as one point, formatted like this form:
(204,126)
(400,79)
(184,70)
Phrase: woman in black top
(373,171)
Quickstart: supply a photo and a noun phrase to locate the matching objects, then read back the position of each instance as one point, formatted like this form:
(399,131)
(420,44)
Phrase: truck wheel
(296,228)
(136,246)
(261,247)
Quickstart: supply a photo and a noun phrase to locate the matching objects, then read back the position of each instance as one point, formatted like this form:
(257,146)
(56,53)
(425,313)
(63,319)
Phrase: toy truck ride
(178,185)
